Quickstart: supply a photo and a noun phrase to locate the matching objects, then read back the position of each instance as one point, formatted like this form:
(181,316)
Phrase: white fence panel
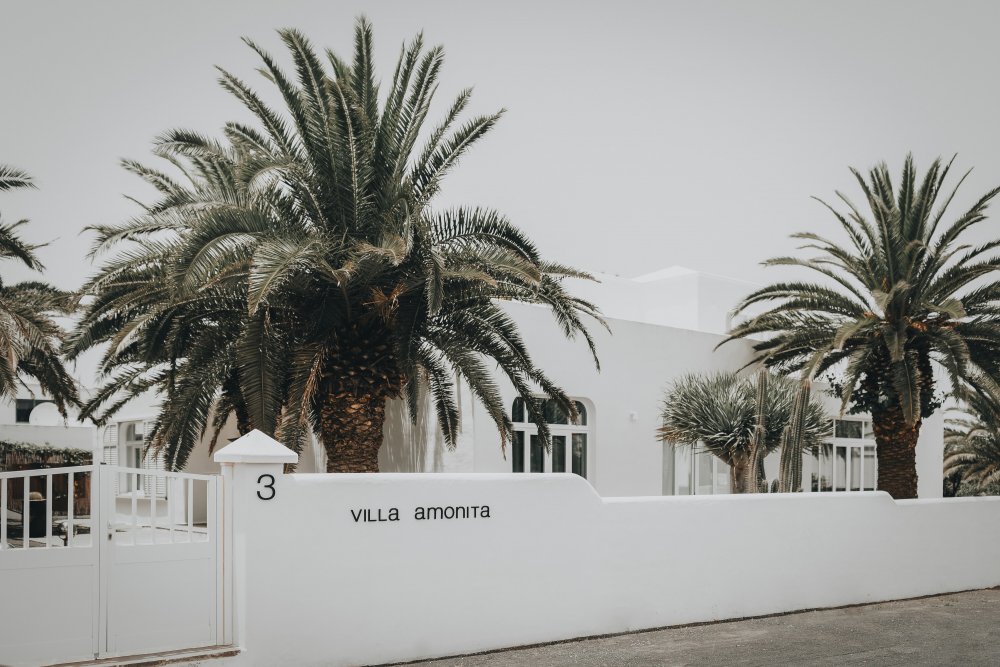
(104,561)
(49,565)
(163,578)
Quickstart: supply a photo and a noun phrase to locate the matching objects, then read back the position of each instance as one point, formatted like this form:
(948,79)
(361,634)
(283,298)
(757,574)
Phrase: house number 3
(269,485)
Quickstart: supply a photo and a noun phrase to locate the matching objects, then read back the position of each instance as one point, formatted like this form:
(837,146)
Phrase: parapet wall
(369,569)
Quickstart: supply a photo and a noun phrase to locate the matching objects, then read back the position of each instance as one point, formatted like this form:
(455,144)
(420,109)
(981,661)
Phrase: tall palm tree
(972,447)
(353,289)
(30,337)
(903,292)
(718,412)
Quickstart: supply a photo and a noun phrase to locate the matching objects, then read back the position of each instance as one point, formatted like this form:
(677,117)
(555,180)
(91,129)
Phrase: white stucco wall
(930,457)
(317,585)
(637,363)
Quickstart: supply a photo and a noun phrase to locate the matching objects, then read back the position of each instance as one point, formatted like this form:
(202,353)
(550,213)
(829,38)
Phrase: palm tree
(30,338)
(719,413)
(972,447)
(162,333)
(903,292)
(353,289)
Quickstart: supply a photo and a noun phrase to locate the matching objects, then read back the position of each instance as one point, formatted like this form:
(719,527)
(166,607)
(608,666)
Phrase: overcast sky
(639,135)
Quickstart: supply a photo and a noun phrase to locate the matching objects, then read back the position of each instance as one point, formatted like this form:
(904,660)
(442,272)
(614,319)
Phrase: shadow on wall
(410,447)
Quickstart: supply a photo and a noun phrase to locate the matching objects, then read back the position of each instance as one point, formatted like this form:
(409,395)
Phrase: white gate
(102,561)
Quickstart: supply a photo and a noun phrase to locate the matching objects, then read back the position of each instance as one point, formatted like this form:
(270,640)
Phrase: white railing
(158,507)
(142,507)
(42,521)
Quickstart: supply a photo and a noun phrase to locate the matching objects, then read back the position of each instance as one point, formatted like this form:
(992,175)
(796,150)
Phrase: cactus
(756,483)
(789,478)
(792,440)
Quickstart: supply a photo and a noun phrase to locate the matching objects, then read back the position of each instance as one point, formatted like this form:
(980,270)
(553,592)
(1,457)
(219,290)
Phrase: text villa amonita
(381,514)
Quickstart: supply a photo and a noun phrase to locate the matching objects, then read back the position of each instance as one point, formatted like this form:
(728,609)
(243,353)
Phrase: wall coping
(255,447)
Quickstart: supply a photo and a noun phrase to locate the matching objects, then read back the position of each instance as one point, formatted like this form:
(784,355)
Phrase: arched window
(571,441)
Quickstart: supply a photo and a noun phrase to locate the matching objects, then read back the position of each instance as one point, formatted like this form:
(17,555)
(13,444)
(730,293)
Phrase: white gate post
(251,468)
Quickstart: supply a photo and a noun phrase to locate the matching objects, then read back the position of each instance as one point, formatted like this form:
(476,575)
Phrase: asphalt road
(959,629)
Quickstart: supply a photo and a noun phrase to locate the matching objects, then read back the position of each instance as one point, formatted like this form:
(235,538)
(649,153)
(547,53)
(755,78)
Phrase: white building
(664,325)
(32,418)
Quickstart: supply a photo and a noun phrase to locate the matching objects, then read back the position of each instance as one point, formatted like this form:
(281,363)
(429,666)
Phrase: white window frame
(35,402)
(528,429)
(697,457)
(132,454)
(862,449)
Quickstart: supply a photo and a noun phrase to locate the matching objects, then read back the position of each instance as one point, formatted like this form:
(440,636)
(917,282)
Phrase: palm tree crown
(352,290)
(160,332)
(30,338)
(972,447)
(901,293)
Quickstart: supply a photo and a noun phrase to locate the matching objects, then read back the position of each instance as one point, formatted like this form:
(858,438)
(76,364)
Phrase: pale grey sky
(639,134)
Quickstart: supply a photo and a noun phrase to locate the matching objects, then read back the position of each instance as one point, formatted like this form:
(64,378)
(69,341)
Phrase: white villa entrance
(105,561)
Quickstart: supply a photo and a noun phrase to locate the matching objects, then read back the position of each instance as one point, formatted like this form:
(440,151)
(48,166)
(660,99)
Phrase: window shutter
(152,462)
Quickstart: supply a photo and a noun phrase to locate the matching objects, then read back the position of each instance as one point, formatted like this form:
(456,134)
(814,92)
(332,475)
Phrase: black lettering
(446,512)
(393,514)
(269,486)
(356,515)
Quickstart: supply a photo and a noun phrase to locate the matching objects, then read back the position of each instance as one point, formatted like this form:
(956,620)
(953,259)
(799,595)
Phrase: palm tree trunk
(350,427)
(231,390)
(243,425)
(896,449)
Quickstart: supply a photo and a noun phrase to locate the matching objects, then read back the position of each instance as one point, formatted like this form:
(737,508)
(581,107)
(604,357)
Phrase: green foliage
(20,454)
(30,338)
(972,448)
(902,291)
(299,258)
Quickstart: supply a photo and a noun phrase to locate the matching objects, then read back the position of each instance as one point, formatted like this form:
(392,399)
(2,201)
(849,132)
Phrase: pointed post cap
(255,447)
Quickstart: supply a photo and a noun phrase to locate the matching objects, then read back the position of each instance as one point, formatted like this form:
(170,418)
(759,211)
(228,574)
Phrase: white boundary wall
(553,560)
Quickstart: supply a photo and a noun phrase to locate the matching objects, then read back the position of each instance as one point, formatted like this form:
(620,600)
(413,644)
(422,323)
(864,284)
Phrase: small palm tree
(352,289)
(719,412)
(30,338)
(902,293)
(972,447)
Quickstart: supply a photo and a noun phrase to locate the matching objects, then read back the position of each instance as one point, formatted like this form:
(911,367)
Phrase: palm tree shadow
(409,446)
